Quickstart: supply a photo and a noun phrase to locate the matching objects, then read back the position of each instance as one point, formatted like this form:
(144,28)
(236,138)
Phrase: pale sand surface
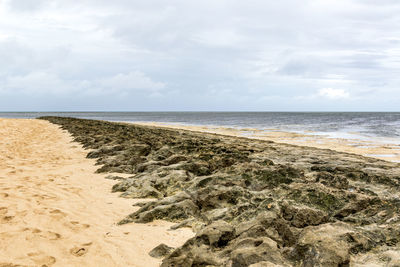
(55,211)
(381,148)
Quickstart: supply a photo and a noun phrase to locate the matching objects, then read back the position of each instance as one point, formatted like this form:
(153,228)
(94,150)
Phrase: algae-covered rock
(217,234)
(302,216)
(338,181)
(264,250)
(323,245)
(160,251)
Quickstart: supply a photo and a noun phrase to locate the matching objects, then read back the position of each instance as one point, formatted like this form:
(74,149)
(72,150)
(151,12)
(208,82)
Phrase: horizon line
(201,111)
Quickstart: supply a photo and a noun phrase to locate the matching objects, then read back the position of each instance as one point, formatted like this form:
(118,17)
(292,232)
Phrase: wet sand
(55,211)
(380,148)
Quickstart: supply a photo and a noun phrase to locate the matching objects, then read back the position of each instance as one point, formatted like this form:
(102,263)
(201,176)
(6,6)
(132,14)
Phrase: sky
(209,55)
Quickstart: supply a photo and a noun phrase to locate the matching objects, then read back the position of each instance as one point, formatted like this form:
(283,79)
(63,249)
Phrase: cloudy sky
(287,55)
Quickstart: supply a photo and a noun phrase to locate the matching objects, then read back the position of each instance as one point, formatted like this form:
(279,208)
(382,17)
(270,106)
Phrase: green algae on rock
(251,202)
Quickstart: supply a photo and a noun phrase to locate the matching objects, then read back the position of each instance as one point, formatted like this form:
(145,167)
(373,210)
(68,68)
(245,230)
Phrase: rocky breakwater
(251,202)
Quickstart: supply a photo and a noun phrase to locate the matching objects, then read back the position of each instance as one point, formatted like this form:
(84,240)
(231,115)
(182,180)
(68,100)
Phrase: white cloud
(47,83)
(25,5)
(218,38)
(130,81)
(33,83)
(333,93)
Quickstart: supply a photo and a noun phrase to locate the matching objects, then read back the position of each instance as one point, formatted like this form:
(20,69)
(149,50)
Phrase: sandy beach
(233,201)
(55,211)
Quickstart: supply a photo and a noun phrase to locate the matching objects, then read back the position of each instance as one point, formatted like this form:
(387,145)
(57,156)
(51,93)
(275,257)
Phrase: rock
(302,216)
(182,224)
(163,153)
(216,214)
(189,255)
(174,212)
(196,251)
(174,159)
(145,191)
(148,166)
(265,264)
(323,245)
(353,207)
(160,251)
(113,177)
(217,234)
(213,197)
(268,224)
(105,150)
(123,186)
(266,250)
(199,168)
(277,175)
(384,257)
(337,181)
(138,149)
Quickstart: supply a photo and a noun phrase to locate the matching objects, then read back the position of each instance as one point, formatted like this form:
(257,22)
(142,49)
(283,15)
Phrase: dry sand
(380,148)
(55,211)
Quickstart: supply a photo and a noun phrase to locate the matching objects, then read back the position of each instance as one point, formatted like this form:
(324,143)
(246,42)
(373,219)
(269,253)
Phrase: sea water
(347,125)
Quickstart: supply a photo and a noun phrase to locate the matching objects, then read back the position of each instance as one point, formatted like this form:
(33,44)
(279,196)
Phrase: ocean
(335,124)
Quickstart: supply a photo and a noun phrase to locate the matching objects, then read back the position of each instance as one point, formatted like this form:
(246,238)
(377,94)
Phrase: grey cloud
(48,83)
(251,53)
(26,5)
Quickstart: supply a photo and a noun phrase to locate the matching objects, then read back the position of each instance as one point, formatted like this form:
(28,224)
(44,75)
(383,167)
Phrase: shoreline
(378,147)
